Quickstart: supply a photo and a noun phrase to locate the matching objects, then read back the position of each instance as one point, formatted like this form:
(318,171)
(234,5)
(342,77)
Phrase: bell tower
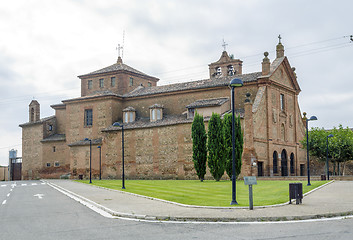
(226,65)
(34,111)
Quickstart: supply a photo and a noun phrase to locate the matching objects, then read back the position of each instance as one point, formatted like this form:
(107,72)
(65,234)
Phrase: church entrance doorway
(260,170)
(284,163)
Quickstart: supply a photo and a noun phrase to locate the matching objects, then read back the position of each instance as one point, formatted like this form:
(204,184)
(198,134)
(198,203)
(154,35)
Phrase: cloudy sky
(45,45)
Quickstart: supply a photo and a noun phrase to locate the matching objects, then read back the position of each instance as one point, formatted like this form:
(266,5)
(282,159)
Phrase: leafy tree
(317,143)
(227,134)
(340,145)
(215,147)
(199,150)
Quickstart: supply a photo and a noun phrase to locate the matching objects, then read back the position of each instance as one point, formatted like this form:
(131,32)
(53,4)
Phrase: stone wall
(31,151)
(122,83)
(55,154)
(105,113)
(163,152)
(4,172)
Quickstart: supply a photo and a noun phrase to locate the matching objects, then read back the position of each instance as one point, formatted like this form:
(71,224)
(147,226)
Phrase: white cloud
(44,45)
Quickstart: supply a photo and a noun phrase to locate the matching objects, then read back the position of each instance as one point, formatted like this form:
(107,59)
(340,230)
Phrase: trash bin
(296,192)
(323,177)
(80,177)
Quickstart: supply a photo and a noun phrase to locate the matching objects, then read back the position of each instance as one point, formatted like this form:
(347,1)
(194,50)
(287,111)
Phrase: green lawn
(208,193)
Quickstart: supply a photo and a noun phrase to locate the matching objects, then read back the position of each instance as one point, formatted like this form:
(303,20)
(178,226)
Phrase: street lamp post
(116,124)
(312,118)
(236,82)
(90,159)
(327,171)
(100,162)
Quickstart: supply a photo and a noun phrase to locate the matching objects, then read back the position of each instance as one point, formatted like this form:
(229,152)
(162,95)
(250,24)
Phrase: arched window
(218,71)
(230,70)
(284,163)
(275,162)
(292,163)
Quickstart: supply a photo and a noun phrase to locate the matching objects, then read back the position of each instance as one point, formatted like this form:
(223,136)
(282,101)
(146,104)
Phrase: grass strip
(209,192)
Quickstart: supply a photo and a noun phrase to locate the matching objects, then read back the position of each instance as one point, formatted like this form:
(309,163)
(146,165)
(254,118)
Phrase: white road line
(24,184)
(3,185)
(43,183)
(4,202)
(8,195)
(33,184)
(11,190)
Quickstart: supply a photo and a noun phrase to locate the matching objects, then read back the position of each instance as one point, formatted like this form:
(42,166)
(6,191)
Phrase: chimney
(266,64)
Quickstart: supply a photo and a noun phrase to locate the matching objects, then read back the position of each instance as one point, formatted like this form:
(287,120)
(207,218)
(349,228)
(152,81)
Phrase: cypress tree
(239,144)
(199,150)
(215,147)
(227,134)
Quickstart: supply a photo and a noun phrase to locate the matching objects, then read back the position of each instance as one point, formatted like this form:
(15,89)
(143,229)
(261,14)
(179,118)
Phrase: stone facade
(4,173)
(157,136)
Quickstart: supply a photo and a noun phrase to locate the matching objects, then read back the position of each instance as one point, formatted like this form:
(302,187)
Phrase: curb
(138,217)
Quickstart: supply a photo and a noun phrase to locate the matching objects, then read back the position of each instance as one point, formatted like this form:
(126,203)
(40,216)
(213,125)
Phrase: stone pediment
(283,74)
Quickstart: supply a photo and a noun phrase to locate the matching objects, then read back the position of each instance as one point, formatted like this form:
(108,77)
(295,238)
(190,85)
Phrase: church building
(157,123)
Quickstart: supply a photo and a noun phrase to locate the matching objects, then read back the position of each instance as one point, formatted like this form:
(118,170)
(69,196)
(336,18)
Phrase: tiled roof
(82,142)
(54,138)
(38,122)
(208,102)
(117,67)
(94,95)
(167,120)
(213,82)
(144,91)
(146,123)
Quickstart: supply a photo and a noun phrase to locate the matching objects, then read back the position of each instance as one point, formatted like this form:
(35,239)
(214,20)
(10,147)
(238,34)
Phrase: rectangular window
(282,102)
(54,149)
(131,81)
(149,84)
(88,117)
(131,117)
(90,84)
(48,164)
(191,112)
(153,114)
(126,117)
(159,117)
(101,82)
(56,164)
(112,81)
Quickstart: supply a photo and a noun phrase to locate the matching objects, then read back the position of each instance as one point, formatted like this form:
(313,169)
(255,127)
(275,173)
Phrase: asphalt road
(33,210)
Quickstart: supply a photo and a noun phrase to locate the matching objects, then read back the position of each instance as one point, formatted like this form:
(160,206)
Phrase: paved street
(33,210)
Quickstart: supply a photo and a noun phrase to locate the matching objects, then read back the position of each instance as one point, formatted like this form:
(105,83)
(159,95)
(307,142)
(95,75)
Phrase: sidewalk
(334,199)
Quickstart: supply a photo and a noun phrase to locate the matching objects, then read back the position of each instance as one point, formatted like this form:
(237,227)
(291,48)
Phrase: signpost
(251,180)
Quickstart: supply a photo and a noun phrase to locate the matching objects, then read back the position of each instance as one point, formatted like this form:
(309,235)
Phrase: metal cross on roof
(224,45)
(279,38)
(119,48)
